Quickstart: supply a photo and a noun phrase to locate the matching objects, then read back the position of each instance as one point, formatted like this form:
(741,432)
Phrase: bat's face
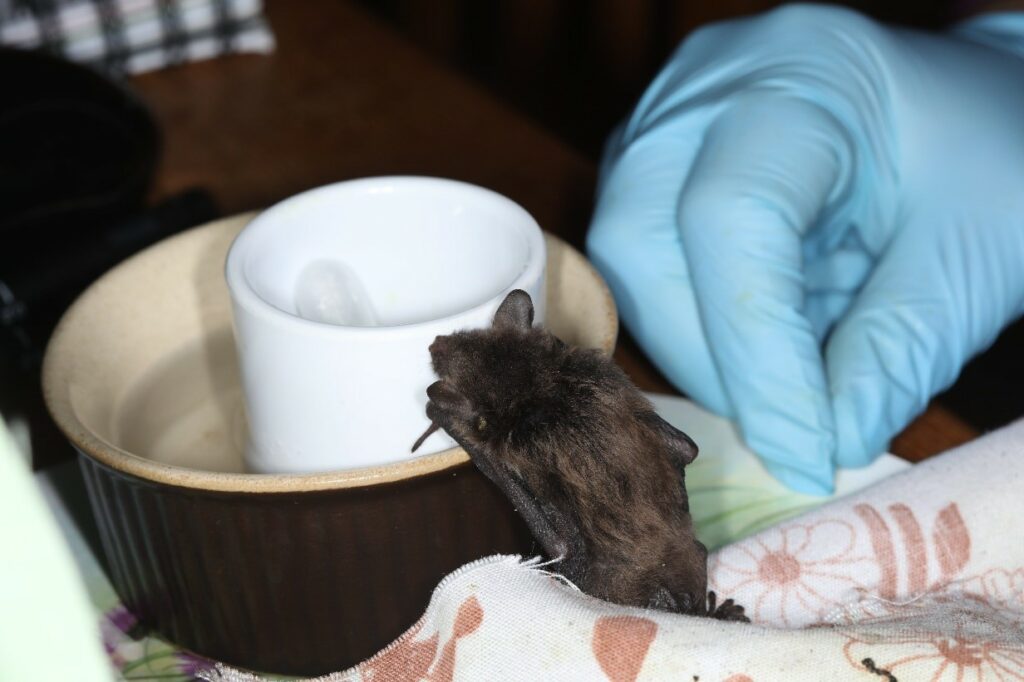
(499,384)
(497,387)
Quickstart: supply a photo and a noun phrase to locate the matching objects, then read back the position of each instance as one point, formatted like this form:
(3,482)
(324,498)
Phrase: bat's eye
(481,423)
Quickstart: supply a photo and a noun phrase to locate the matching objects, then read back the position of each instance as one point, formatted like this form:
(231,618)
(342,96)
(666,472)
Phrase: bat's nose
(434,390)
(440,345)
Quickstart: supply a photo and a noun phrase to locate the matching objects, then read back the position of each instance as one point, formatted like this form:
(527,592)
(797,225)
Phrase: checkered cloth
(132,36)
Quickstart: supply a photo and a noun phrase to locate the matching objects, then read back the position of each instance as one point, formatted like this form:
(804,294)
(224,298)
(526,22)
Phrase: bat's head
(502,383)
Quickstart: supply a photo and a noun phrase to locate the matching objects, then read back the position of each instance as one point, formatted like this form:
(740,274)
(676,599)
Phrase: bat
(596,474)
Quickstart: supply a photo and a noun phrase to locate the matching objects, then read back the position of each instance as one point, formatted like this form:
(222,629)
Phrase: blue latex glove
(811,221)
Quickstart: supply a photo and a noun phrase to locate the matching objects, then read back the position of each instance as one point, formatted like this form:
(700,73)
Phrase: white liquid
(329,291)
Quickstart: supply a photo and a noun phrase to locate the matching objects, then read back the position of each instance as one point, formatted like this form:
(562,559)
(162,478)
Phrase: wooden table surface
(345,96)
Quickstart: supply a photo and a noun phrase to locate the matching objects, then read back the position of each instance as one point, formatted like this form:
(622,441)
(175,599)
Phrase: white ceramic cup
(338,292)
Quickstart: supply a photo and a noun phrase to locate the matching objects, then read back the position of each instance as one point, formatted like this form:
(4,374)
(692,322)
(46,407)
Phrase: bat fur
(596,474)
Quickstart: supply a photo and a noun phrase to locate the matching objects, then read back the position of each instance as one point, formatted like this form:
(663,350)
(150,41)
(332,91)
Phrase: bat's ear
(681,447)
(515,312)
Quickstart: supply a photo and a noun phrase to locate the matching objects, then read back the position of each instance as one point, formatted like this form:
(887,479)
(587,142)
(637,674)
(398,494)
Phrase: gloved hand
(811,221)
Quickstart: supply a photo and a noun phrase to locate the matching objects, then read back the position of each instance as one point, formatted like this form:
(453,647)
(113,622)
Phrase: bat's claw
(446,407)
(727,610)
(662,600)
(446,410)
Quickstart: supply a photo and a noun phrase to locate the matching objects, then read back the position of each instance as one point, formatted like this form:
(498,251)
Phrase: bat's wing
(556,532)
(680,448)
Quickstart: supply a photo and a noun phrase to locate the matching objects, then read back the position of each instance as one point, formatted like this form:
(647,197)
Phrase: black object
(78,153)
(988,395)
(35,292)
(75,148)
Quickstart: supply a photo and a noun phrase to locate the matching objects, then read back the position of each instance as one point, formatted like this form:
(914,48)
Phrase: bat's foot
(662,600)
(727,610)
(448,410)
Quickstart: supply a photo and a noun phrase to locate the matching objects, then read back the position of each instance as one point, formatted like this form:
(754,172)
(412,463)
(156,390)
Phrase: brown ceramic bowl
(298,574)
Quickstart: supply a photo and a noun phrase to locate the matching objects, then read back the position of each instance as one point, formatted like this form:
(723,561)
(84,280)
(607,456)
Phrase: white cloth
(919,578)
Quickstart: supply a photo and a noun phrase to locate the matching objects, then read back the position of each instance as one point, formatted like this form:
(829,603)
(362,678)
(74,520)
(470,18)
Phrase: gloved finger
(768,167)
(939,294)
(634,243)
(823,309)
(832,281)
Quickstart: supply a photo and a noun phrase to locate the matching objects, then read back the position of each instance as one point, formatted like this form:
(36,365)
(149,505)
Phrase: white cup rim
(244,295)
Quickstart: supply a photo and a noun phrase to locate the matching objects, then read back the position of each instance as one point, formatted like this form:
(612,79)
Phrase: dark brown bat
(595,473)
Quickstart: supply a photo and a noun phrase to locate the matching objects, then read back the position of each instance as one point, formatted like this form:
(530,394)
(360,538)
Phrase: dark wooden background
(575,66)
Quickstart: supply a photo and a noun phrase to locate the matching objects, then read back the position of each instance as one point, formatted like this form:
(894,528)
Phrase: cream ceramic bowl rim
(56,393)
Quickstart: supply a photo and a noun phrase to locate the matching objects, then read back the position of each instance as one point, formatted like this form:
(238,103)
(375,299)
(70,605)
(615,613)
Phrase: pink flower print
(190,665)
(906,572)
(989,651)
(409,658)
(620,645)
(1000,589)
(792,575)
(121,618)
(467,621)
(114,628)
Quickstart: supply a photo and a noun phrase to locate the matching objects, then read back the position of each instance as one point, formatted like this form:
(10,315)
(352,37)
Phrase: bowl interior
(427,247)
(142,373)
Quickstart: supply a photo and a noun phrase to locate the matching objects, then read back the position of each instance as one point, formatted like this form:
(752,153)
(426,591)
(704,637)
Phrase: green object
(48,631)
(732,495)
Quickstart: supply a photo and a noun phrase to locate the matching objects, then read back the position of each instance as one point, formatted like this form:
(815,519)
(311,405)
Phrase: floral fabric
(920,577)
